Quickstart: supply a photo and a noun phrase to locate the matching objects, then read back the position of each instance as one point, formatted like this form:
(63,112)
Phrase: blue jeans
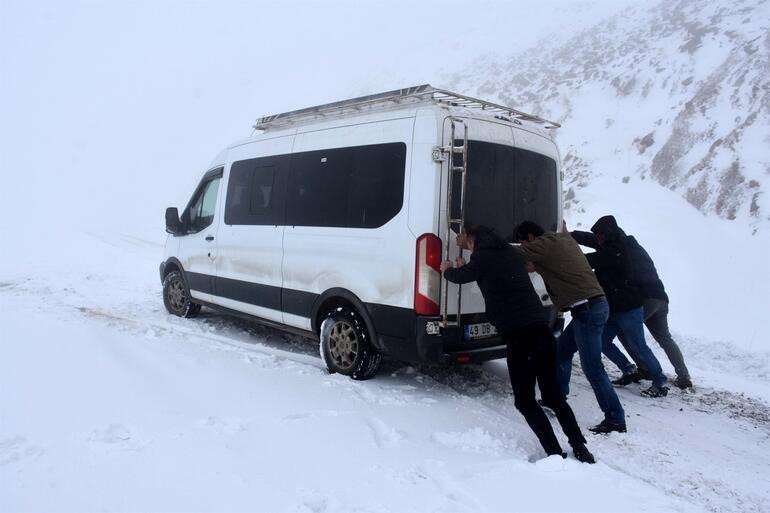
(584,336)
(631,323)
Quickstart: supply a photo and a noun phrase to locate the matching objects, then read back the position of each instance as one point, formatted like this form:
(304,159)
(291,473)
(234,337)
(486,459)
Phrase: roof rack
(417,94)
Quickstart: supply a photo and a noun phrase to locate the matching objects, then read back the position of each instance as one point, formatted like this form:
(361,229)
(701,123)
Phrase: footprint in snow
(17,448)
(225,426)
(311,415)
(385,436)
(117,435)
(472,440)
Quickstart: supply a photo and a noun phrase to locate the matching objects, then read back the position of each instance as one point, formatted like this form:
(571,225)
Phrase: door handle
(209,237)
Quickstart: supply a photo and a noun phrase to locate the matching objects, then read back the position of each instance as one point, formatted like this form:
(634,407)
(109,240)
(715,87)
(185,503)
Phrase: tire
(345,345)
(176,296)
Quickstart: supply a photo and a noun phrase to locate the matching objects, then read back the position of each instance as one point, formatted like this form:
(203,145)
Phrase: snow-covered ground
(108,403)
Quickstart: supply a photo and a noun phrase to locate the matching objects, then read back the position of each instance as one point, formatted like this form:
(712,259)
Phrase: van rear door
(505,185)
(499,134)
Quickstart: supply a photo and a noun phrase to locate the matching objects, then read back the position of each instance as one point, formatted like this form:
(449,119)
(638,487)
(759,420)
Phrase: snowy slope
(108,403)
(666,124)
(673,91)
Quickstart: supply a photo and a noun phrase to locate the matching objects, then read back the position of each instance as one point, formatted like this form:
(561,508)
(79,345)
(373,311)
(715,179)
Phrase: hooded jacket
(643,272)
(511,300)
(612,264)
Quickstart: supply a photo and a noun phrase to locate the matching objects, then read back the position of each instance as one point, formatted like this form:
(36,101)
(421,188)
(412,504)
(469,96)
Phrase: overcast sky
(112,110)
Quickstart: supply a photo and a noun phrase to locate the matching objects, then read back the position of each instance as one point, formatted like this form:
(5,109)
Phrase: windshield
(505,186)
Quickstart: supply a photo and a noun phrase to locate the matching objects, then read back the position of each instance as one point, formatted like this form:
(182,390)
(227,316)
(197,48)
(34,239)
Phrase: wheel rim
(177,295)
(343,344)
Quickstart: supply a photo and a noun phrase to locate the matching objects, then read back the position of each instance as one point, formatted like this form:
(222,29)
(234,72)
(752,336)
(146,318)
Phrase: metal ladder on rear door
(453,168)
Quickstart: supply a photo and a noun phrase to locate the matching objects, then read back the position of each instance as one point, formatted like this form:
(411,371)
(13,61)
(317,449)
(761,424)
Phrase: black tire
(176,296)
(345,345)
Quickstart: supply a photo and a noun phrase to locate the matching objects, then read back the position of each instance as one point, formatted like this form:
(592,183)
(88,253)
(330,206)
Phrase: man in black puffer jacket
(613,266)
(514,308)
(645,277)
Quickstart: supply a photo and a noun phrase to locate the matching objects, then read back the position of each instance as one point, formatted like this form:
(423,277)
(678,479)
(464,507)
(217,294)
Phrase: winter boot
(606,427)
(655,391)
(582,454)
(627,379)
(683,383)
(644,374)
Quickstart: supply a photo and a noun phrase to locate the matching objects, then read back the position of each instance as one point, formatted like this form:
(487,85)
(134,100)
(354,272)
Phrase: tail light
(427,275)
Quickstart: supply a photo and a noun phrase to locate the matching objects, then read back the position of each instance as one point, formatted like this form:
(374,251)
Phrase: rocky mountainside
(675,91)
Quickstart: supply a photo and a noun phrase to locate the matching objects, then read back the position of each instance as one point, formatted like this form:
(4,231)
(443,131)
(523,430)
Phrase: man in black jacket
(612,265)
(514,308)
(645,277)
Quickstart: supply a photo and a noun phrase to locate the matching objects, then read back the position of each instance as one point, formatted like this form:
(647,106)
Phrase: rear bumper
(419,341)
(449,344)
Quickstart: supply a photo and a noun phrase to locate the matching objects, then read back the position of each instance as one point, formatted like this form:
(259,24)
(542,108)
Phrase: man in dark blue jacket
(514,308)
(655,302)
(613,266)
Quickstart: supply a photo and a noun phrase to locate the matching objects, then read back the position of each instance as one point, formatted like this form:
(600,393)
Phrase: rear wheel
(345,345)
(176,296)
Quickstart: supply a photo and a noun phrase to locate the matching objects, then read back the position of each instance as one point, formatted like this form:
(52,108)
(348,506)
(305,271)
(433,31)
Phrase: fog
(112,110)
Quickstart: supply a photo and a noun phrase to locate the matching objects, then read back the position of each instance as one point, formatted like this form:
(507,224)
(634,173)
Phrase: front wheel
(176,296)
(345,346)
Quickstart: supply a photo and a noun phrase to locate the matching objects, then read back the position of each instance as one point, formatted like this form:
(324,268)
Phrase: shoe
(582,454)
(683,383)
(627,379)
(605,427)
(655,391)
(644,374)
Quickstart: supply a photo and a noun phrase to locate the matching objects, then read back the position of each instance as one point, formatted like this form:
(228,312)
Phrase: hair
(478,231)
(484,236)
(527,228)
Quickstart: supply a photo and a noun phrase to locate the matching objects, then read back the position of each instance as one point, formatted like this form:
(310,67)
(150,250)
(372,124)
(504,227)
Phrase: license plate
(482,330)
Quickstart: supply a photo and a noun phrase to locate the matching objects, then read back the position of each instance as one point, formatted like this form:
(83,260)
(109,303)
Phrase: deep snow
(109,403)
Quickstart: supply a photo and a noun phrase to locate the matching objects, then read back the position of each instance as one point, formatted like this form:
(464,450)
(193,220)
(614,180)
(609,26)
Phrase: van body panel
(371,270)
(425,177)
(197,249)
(251,254)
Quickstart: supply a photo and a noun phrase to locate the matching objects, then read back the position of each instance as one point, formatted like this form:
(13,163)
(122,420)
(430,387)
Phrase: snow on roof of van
(408,96)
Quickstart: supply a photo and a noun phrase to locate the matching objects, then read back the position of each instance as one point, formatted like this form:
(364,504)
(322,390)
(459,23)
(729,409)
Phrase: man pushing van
(574,287)
(514,308)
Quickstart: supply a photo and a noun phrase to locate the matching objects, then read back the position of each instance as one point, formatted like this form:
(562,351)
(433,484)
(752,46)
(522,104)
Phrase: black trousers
(532,359)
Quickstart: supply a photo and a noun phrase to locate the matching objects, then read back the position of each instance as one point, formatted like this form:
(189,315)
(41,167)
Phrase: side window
(200,213)
(253,192)
(357,187)
(317,191)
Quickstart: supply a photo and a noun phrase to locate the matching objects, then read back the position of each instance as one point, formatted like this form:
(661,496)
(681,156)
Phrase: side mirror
(173,224)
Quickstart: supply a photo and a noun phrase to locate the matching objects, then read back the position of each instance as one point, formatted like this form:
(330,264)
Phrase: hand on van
(459,262)
(446,264)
